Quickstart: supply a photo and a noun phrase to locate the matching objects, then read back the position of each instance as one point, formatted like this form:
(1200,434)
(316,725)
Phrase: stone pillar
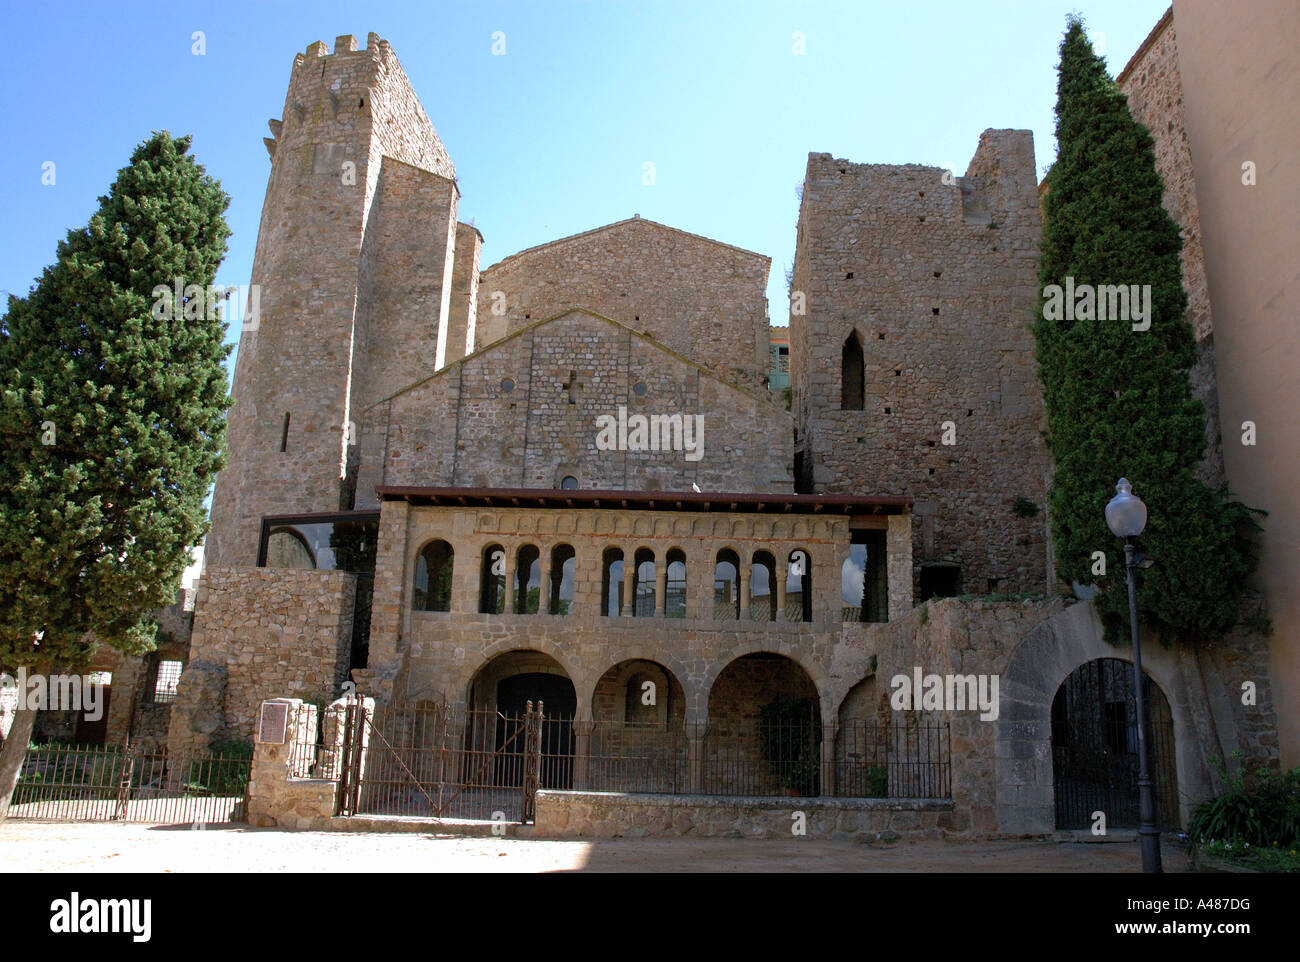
(581,752)
(898,551)
(275,796)
(695,757)
(830,732)
(508,606)
(627,599)
(544,589)
(780,589)
(661,589)
(744,574)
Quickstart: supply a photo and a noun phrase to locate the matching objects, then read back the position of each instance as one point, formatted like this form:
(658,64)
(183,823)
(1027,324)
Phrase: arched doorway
(765,734)
(503,688)
(1094,748)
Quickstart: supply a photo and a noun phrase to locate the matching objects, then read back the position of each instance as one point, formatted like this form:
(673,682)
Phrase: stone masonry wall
(1155,99)
(271,631)
(938,281)
(352,107)
(701,298)
(523,413)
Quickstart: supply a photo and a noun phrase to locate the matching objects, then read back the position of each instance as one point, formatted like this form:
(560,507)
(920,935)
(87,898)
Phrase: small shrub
(1261,810)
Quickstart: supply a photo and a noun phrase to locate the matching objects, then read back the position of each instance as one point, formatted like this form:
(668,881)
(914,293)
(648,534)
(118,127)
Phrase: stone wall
(324,273)
(611,815)
(937,281)
(524,413)
(698,297)
(1155,99)
(261,632)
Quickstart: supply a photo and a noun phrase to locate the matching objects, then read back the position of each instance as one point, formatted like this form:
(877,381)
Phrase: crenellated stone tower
(366,285)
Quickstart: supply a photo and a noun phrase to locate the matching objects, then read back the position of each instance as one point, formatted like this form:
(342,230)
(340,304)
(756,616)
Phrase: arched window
(852,373)
(492,584)
(528,580)
(611,593)
(675,586)
(726,586)
(643,584)
(286,548)
(762,587)
(798,586)
(432,589)
(563,566)
(569,483)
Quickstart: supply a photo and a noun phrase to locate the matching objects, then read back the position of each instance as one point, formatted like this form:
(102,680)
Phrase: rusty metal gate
(121,783)
(1094,748)
(430,760)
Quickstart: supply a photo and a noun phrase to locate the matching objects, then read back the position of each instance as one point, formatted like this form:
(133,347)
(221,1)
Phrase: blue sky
(551,138)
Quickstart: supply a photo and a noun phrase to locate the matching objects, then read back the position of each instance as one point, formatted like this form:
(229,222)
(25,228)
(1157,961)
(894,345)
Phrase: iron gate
(429,760)
(1094,748)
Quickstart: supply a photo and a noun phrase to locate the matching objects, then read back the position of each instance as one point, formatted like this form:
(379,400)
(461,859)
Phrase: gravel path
(116,847)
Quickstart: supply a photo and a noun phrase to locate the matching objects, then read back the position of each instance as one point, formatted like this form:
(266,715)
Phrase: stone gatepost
(830,733)
(282,742)
(581,752)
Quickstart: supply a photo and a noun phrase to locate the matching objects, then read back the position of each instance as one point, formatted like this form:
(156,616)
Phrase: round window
(508,385)
(570,483)
(639,389)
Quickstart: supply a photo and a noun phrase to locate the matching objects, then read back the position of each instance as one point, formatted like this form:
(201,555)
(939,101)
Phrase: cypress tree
(112,420)
(1118,400)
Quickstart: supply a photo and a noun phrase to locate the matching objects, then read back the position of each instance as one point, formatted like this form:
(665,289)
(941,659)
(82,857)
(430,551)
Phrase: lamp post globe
(1126,514)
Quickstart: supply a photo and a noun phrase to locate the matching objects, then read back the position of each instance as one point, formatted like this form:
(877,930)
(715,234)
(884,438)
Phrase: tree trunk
(11,756)
(15,746)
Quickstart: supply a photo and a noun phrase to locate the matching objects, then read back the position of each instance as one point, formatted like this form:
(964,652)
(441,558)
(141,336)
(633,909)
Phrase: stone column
(830,732)
(627,599)
(661,589)
(544,589)
(898,558)
(695,756)
(780,589)
(508,607)
(744,574)
(581,752)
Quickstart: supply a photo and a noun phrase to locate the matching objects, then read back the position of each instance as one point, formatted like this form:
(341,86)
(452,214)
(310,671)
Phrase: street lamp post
(1127,517)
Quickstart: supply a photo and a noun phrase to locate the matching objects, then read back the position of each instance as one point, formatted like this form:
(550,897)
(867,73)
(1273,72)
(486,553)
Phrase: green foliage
(112,417)
(789,729)
(1119,401)
(1024,508)
(877,781)
(1261,810)
(224,772)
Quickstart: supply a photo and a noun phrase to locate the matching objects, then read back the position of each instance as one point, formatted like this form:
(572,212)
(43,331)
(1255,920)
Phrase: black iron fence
(111,783)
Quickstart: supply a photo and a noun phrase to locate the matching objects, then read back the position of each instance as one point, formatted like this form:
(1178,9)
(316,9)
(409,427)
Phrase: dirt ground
(117,847)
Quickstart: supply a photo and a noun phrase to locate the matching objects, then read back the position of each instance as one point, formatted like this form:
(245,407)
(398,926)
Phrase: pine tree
(1118,400)
(112,421)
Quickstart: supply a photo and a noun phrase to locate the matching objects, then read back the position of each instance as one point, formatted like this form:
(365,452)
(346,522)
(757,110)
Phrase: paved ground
(116,847)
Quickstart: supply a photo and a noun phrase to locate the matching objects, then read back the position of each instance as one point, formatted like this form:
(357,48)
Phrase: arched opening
(1094,748)
(852,374)
(762,587)
(528,580)
(611,590)
(492,581)
(798,586)
(862,746)
(765,732)
(286,548)
(638,739)
(643,584)
(563,566)
(675,585)
(726,586)
(502,689)
(433,568)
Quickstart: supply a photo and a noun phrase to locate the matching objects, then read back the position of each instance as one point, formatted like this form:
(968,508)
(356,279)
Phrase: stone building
(565,476)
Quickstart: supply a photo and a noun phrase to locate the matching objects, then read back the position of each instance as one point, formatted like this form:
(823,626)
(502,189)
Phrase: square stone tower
(912,361)
(355,261)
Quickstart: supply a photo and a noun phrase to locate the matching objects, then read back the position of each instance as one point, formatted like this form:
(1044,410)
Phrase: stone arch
(506,659)
(815,674)
(1035,671)
(609,696)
